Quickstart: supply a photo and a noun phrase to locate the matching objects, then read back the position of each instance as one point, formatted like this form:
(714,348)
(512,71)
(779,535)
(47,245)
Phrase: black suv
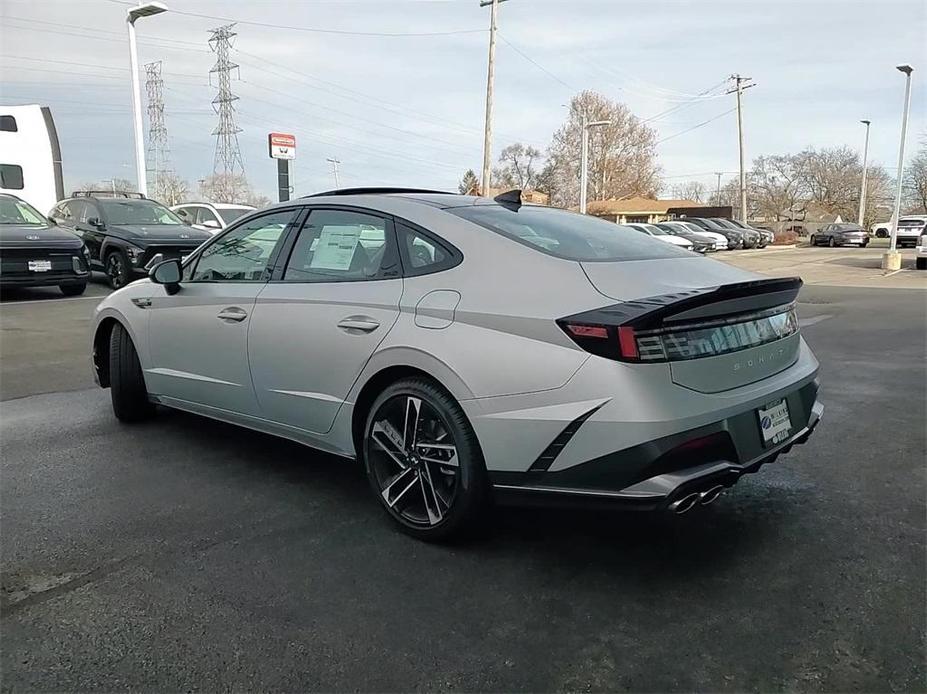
(124,231)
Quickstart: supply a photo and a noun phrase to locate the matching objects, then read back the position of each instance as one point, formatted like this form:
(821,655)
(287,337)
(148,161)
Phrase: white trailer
(30,157)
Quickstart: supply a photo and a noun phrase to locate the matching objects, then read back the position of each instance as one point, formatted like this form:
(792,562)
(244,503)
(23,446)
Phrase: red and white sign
(281,145)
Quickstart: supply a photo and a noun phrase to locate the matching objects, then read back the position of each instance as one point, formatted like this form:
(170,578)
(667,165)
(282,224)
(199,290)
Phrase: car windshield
(130,212)
(653,229)
(230,214)
(567,235)
(13,211)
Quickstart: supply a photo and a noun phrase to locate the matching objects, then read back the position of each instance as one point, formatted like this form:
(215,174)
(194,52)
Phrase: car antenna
(510,197)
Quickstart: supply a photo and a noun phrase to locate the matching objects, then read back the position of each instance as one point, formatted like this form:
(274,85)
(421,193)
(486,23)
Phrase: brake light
(627,342)
(597,331)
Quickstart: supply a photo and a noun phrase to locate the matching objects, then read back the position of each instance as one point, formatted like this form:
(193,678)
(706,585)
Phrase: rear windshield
(568,235)
(911,222)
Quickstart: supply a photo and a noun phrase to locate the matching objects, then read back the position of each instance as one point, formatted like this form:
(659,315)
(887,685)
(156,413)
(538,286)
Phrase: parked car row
(116,233)
(706,235)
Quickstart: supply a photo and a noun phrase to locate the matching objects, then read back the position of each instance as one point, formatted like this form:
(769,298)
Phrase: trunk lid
(716,326)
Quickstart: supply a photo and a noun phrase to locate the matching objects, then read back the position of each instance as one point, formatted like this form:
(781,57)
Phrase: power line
(537,64)
(337,32)
(694,127)
(228,152)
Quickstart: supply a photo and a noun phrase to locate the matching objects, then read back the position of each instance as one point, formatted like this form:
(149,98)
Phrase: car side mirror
(168,273)
(96,222)
(212,224)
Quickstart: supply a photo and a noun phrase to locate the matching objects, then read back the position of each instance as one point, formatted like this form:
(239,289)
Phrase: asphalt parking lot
(185,554)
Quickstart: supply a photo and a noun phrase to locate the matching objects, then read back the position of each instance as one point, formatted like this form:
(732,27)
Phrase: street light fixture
(862,192)
(133,13)
(892,259)
(584,160)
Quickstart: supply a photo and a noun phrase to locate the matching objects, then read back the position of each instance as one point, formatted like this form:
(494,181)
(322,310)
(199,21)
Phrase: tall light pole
(490,80)
(133,13)
(862,190)
(584,160)
(335,162)
(892,259)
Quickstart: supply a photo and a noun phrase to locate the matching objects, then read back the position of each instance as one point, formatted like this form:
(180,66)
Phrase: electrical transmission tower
(228,153)
(159,151)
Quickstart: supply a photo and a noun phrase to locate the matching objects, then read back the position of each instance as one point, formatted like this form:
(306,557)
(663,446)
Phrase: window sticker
(335,249)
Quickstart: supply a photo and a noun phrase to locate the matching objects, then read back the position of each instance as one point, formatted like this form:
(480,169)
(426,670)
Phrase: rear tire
(73,289)
(126,381)
(920,263)
(813,240)
(832,242)
(424,462)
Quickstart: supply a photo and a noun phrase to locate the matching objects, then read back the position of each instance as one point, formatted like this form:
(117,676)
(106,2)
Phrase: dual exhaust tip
(690,501)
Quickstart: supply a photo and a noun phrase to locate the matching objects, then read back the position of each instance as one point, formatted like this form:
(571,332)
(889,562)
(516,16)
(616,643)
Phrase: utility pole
(862,192)
(718,196)
(490,80)
(159,152)
(738,88)
(228,152)
(335,163)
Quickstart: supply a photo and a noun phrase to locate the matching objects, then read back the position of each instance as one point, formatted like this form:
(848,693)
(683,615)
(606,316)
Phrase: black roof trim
(374,190)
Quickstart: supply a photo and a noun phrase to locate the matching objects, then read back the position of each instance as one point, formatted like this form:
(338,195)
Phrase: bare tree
(915,181)
(622,155)
(469,184)
(223,187)
(777,187)
(691,190)
(119,185)
(517,167)
(170,189)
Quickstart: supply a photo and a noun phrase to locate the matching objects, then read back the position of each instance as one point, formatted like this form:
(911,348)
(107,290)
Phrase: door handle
(364,324)
(232,314)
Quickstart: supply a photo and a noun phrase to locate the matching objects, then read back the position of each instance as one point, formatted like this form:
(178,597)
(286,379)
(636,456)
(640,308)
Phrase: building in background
(640,210)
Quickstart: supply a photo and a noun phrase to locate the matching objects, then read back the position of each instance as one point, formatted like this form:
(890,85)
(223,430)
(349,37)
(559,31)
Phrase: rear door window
(342,246)
(568,235)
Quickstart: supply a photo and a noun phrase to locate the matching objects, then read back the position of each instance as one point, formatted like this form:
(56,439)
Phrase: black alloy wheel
(117,269)
(423,460)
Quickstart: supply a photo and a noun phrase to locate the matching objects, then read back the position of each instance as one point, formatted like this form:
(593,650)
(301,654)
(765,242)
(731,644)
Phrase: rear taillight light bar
(683,341)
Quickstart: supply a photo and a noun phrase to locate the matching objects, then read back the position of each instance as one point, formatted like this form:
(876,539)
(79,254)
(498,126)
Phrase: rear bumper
(658,482)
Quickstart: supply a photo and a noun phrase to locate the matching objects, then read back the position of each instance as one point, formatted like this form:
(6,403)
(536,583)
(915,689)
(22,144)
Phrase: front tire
(117,268)
(424,462)
(73,289)
(920,263)
(126,382)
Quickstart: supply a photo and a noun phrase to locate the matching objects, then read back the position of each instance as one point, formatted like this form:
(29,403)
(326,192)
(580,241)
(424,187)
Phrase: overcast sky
(408,109)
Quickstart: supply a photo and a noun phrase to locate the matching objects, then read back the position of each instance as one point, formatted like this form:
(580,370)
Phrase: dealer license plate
(775,424)
(39,265)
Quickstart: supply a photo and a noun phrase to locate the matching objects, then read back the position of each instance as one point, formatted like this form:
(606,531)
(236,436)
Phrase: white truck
(30,157)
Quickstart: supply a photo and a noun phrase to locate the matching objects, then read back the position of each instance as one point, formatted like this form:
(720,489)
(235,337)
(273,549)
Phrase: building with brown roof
(637,209)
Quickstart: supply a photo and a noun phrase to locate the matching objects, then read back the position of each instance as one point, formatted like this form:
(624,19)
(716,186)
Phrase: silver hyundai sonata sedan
(470,349)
